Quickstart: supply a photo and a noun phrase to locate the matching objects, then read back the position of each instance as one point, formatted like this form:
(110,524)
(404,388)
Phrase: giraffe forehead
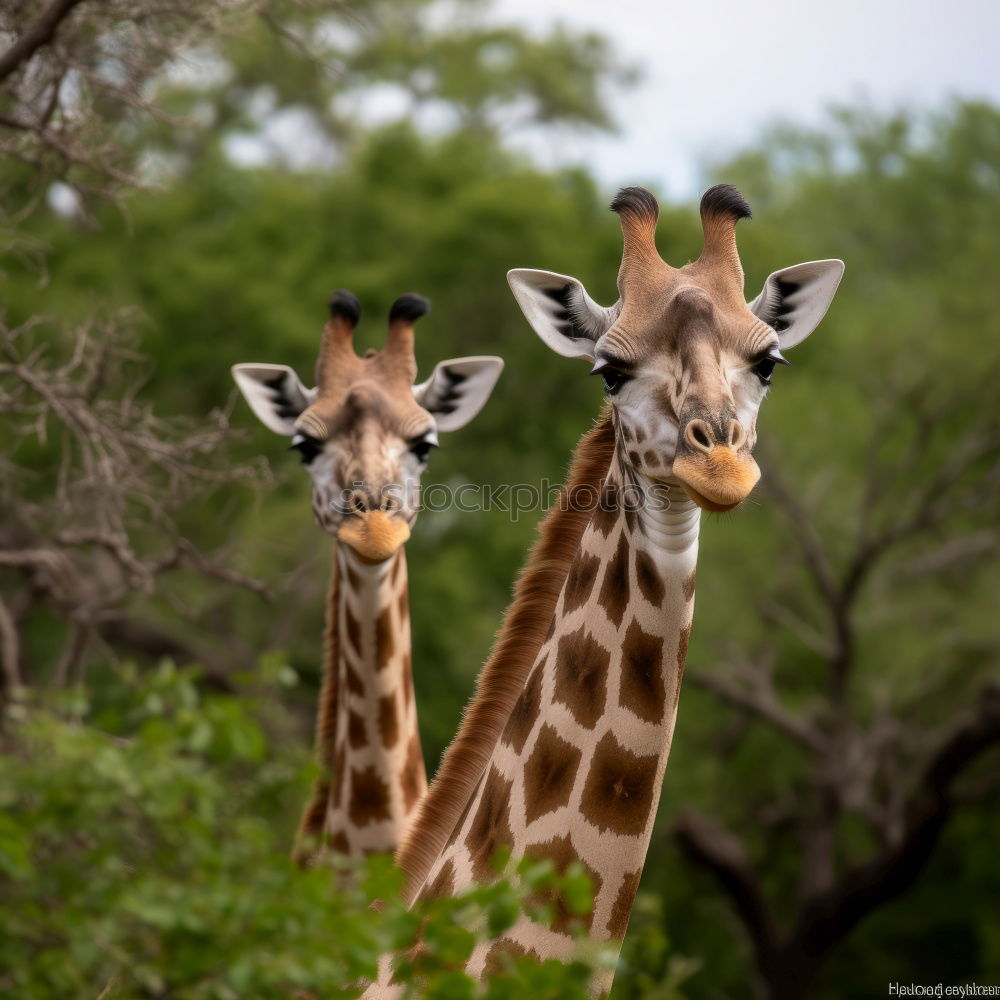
(682,323)
(367,410)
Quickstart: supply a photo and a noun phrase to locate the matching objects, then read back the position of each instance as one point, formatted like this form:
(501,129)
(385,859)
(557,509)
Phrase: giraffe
(564,747)
(364,435)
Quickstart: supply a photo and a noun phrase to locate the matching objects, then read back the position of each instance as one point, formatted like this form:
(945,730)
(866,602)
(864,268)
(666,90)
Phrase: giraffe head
(685,359)
(365,432)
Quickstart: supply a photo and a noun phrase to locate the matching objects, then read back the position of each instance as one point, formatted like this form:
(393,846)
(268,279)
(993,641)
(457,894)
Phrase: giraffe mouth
(703,501)
(374,535)
(718,481)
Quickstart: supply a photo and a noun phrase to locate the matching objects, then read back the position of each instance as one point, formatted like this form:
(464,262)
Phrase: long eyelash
(619,364)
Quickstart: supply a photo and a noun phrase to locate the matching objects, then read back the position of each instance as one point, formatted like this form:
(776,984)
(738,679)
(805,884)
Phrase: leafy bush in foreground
(139,857)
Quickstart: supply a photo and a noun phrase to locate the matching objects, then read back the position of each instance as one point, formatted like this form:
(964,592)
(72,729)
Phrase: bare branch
(107,530)
(809,543)
(38,34)
(721,853)
(69,667)
(762,703)
(954,552)
(779,613)
(828,917)
(10,652)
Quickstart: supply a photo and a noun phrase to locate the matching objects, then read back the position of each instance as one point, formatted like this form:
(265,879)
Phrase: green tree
(835,752)
(791,749)
(446,64)
(140,857)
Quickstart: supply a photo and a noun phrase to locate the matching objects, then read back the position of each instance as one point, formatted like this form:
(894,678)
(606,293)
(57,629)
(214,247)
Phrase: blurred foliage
(333,69)
(140,857)
(234,264)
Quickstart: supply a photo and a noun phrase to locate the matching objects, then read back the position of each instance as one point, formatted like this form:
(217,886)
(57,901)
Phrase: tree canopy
(844,633)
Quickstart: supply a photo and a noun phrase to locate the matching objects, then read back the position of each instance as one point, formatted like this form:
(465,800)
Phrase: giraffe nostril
(736,435)
(699,435)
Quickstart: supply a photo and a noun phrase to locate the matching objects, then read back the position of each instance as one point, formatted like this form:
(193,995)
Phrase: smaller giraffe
(364,435)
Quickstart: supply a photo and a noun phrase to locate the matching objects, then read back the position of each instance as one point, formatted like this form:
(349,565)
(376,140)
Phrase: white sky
(717,71)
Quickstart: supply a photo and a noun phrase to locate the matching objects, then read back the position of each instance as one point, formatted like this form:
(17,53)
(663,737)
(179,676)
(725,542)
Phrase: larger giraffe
(563,750)
(364,435)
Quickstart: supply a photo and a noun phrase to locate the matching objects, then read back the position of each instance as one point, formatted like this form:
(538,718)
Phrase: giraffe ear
(795,299)
(275,393)
(560,311)
(458,389)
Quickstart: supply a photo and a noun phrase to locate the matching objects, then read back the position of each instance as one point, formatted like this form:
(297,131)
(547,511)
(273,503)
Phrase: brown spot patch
(642,688)
(369,798)
(522,718)
(560,851)
(403,604)
(388,720)
(648,577)
(605,513)
(579,581)
(356,734)
(337,775)
(414,778)
(687,586)
(384,639)
(618,795)
(338,842)
(550,631)
(353,630)
(614,588)
(622,908)
(353,579)
(682,650)
(490,829)
(549,774)
(443,884)
(581,675)
(354,683)
(651,459)
(506,948)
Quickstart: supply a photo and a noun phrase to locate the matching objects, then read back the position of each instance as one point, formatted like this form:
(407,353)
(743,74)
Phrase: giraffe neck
(577,772)
(367,736)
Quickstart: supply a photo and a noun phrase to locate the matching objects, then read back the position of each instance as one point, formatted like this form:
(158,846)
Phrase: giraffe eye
(307,447)
(420,448)
(764,369)
(764,366)
(612,377)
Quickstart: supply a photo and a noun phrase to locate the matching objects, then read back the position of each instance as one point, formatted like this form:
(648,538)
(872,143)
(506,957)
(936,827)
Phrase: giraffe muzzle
(716,480)
(374,535)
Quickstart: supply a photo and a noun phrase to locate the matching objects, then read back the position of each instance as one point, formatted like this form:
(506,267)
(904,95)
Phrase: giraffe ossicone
(563,749)
(364,435)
